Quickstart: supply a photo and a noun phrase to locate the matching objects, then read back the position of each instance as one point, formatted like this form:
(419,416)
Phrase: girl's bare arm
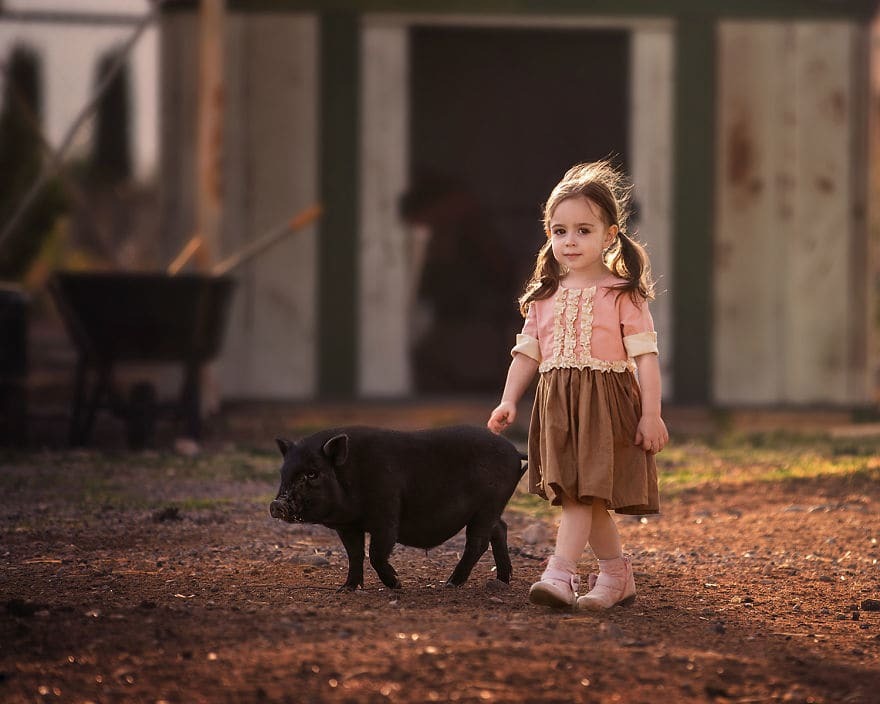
(651,433)
(519,376)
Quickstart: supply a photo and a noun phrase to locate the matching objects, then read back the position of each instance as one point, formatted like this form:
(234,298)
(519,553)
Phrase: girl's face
(579,235)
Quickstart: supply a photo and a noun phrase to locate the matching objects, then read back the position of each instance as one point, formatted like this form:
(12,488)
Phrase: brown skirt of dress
(581,441)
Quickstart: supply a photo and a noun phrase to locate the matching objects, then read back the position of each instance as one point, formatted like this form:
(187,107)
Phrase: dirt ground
(154,577)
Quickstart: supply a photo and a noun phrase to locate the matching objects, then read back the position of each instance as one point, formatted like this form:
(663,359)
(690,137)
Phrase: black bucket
(13,365)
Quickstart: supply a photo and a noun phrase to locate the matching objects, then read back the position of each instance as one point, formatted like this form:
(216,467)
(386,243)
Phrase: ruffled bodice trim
(572,346)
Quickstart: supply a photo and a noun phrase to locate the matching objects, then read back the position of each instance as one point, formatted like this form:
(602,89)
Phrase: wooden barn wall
(270,163)
(790,286)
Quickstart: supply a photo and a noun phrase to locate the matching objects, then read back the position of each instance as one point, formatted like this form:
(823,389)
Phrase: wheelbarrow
(168,317)
(114,318)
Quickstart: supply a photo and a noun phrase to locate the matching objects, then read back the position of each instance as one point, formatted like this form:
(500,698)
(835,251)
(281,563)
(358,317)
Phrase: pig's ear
(284,446)
(336,449)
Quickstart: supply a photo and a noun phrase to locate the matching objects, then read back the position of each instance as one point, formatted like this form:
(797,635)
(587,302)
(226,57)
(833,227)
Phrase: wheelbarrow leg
(75,432)
(84,409)
(191,400)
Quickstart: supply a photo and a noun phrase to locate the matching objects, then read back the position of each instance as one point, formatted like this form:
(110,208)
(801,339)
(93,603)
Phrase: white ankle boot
(614,585)
(558,586)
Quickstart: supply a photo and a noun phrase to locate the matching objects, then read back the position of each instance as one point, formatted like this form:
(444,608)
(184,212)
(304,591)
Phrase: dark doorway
(497,116)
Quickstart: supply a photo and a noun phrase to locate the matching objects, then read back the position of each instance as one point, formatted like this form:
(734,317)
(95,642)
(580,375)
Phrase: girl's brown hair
(607,188)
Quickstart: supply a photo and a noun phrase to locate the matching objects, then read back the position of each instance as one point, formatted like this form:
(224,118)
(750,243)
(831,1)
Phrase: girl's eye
(583,231)
(559,232)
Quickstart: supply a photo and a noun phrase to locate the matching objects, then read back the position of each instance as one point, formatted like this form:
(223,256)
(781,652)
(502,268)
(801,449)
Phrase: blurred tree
(21,159)
(111,149)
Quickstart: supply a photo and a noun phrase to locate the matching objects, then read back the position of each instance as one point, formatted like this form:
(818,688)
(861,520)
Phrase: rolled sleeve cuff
(641,343)
(528,346)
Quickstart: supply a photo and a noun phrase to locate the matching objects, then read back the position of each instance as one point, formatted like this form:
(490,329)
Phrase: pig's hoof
(347,588)
(450,585)
(496,585)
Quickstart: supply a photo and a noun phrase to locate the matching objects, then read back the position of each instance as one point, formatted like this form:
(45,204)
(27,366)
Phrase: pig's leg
(503,568)
(353,540)
(476,543)
(381,545)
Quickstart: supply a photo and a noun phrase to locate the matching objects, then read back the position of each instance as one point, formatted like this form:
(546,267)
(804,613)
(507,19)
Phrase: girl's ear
(611,234)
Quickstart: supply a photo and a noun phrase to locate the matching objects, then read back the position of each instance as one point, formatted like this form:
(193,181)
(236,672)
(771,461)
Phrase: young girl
(594,428)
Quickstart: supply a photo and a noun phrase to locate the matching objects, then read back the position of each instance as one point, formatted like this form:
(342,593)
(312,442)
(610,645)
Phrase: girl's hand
(651,434)
(502,416)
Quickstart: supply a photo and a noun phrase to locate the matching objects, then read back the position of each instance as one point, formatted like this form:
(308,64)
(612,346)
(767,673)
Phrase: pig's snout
(286,509)
(278,509)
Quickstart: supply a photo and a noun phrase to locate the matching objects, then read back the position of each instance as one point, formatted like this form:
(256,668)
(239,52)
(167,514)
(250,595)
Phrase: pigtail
(544,280)
(628,260)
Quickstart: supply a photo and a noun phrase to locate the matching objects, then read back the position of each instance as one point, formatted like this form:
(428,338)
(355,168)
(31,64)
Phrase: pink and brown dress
(588,405)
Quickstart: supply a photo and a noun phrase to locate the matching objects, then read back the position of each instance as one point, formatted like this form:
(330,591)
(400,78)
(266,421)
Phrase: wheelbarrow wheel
(141,416)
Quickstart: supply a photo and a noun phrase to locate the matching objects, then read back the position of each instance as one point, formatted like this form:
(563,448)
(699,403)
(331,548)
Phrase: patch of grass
(736,460)
(203,504)
(529,504)
(765,458)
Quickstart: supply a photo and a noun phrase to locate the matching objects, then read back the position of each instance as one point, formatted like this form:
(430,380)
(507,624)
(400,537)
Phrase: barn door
(497,116)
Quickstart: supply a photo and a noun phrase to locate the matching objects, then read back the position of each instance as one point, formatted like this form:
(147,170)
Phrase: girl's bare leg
(604,536)
(574,528)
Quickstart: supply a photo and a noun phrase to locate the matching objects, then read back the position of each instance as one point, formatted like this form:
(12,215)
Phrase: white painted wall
(70,54)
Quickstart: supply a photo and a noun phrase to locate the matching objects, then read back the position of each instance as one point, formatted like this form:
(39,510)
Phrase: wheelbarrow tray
(146,317)
(150,318)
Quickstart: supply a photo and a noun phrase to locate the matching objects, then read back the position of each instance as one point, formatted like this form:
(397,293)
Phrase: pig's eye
(311,475)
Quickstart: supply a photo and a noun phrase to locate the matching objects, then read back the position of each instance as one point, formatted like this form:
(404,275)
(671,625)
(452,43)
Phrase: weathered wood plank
(651,94)
(384,295)
(749,235)
(818,297)
(784,293)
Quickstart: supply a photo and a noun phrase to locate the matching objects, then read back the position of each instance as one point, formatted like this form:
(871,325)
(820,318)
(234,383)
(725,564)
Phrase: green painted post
(338,237)
(693,207)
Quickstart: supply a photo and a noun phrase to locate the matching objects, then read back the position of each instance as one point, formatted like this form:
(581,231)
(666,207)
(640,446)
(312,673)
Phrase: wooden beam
(209,172)
(693,208)
(338,245)
(743,9)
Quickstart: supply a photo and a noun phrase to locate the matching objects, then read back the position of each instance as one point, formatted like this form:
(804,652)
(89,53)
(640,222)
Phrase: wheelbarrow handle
(185,255)
(254,248)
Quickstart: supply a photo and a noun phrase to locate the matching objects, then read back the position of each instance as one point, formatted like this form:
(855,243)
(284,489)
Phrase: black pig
(414,488)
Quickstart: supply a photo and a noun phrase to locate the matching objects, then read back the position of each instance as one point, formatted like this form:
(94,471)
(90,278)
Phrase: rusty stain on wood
(740,153)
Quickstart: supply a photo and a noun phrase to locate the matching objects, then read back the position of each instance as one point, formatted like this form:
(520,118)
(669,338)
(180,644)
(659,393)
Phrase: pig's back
(451,475)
